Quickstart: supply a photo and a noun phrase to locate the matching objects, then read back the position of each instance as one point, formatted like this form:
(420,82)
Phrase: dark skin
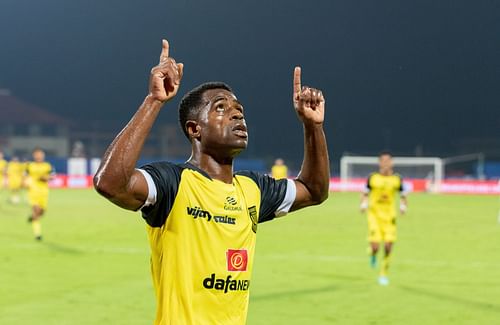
(217,135)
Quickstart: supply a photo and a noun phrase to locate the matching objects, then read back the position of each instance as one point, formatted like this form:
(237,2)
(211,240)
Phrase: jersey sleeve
(272,194)
(51,171)
(368,186)
(165,179)
(403,191)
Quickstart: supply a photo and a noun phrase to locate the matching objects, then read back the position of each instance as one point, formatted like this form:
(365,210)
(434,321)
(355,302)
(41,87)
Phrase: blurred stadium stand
(24,126)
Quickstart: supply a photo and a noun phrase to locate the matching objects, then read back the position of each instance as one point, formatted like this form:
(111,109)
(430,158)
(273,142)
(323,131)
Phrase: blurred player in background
(379,200)
(3,167)
(15,175)
(39,173)
(279,170)
(202,217)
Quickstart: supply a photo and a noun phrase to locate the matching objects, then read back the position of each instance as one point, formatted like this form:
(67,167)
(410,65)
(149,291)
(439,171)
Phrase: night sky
(396,74)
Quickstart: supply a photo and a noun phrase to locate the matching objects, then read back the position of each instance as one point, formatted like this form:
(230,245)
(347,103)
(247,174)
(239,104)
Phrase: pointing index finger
(296,81)
(164,50)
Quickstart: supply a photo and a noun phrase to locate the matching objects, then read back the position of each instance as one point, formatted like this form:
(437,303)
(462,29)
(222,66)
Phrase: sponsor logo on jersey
(225,284)
(199,213)
(231,204)
(231,200)
(237,259)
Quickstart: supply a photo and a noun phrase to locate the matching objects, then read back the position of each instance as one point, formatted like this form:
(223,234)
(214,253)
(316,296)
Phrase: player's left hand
(402,208)
(309,102)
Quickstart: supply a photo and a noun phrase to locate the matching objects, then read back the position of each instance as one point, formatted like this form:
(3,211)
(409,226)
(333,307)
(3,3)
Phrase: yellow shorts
(39,199)
(381,229)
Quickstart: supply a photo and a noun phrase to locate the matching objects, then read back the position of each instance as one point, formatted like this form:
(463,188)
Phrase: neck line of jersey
(204,173)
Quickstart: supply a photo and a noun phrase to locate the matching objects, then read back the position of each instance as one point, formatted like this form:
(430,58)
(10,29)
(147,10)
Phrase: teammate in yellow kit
(201,216)
(39,173)
(15,175)
(279,170)
(379,200)
(3,167)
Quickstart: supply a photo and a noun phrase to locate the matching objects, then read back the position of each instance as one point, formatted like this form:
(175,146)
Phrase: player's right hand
(166,77)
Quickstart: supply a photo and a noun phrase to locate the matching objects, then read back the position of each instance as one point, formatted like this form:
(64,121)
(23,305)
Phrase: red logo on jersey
(237,259)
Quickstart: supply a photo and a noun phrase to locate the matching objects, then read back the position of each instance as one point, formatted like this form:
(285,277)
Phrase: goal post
(469,166)
(429,168)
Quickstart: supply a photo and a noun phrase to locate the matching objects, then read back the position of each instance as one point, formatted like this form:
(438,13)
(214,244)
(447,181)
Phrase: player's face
(222,122)
(385,163)
(38,156)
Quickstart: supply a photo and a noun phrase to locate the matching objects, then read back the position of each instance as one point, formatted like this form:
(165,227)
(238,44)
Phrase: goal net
(427,168)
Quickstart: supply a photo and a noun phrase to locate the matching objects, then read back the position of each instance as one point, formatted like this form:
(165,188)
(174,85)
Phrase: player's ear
(193,129)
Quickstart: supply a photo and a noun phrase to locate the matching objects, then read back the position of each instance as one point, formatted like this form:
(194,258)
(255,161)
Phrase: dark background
(411,76)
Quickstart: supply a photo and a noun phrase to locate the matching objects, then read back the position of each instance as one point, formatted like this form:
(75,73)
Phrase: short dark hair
(190,105)
(385,153)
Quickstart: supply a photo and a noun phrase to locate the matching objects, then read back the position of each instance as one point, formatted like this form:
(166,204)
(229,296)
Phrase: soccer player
(15,174)
(3,166)
(201,216)
(39,173)
(279,170)
(379,201)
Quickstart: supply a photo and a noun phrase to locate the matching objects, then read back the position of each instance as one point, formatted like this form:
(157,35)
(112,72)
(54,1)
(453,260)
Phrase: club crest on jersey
(252,211)
(237,260)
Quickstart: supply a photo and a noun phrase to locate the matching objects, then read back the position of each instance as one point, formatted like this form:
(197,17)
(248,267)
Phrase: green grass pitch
(311,267)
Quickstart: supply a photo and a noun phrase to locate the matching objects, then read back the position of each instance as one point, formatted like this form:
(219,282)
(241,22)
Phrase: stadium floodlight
(428,168)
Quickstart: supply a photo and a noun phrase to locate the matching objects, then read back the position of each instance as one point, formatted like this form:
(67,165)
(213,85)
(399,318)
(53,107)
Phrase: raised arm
(314,177)
(117,179)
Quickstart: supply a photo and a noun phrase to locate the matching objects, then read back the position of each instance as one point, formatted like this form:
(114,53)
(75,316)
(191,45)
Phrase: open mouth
(240,130)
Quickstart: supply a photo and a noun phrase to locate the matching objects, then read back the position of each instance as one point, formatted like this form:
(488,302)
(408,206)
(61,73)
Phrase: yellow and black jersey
(202,235)
(15,174)
(3,166)
(38,175)
(382,192)
(279,171)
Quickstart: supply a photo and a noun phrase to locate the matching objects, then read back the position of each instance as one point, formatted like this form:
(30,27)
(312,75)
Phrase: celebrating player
(201,217)
(39,173)
(379,199)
